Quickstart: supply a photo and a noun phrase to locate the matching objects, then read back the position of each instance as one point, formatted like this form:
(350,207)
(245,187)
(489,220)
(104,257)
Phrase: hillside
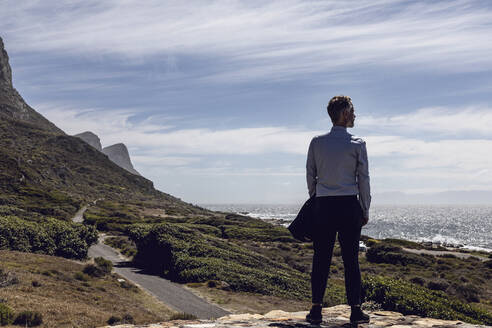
(44,172)
(65,296)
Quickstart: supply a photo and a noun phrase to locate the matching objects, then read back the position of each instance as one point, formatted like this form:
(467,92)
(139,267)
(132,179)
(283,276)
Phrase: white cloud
(472,122)
(274,40)
(396,160)
(115,126)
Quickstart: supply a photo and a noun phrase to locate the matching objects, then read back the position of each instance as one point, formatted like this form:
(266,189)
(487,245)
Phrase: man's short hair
(337,105)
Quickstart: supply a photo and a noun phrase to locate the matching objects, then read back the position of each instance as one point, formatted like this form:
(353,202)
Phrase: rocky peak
(12,105)
(91,138)
(118,153)
(5,70)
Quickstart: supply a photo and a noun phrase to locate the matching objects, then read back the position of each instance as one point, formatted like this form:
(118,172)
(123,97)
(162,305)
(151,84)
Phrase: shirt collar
(337,128)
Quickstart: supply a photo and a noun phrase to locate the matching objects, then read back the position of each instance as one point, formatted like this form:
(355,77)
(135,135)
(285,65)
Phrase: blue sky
(217,100)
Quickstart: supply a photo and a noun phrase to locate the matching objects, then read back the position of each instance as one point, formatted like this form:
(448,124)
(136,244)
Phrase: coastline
(283,214)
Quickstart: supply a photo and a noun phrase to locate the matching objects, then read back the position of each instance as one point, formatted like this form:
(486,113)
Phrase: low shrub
(371,242)
(182,316)
(7,278)
(51,237)
(418,281)
(113,320)
(402,296)
(271,233)
(81,276)
(128,318)
(101,268)
(6,315)
(382,253)
(94,271)
(402,243)
(29,319)
(105,265)
(437,285)
(469,292)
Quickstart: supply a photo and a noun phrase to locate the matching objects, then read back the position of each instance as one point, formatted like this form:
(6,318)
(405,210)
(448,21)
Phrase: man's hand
(364,220)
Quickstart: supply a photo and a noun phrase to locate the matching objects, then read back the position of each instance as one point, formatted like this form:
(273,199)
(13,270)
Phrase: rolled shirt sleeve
(311,173)
(363,180)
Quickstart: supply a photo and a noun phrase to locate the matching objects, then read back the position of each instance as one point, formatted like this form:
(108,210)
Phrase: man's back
(337,166)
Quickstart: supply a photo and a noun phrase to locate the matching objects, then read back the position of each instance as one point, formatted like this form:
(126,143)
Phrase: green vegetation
(101,268)
(123,244)
(254,260)
(182,316)
(6,315)
(190,256)
(51,237)
(28,319)
(407,298)
(115,320)
(384,253)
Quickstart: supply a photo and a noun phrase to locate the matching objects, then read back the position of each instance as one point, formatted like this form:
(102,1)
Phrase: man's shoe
(314,316)
(357,316)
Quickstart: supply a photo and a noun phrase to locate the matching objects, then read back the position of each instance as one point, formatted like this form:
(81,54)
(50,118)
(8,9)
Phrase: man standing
(337,171)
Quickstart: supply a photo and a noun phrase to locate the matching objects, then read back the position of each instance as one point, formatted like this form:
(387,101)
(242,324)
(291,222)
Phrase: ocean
(467,225)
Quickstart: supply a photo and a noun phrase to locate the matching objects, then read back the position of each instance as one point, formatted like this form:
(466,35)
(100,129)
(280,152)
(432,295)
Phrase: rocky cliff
(91,138)
(333,317)
(118,153)
(12,105)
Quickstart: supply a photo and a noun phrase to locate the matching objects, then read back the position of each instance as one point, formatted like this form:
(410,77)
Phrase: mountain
(118,153)
(11,103)
(44,172)
(91,139)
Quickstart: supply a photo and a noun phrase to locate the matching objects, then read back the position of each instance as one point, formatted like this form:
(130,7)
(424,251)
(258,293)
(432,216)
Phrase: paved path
(79,216)
(171,294)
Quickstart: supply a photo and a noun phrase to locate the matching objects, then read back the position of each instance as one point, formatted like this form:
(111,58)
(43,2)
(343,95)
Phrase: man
(337,171)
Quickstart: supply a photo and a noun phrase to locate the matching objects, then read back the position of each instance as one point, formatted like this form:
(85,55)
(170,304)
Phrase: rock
(91,138)
(5,70)
(224,285)
(335,316)
(118,153)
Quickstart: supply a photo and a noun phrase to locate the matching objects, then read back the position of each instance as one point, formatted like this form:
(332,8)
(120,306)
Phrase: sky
(217,101)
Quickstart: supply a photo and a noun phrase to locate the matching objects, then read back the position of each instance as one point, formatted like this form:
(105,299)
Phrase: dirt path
(173,295)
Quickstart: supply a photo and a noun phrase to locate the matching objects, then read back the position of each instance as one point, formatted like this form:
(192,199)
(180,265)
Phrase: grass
(65,301)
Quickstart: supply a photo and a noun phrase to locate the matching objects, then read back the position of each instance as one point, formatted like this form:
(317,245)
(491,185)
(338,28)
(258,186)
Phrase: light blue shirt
(337,165)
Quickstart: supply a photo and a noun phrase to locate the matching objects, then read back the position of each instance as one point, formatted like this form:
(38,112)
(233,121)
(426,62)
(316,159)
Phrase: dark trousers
(342,215)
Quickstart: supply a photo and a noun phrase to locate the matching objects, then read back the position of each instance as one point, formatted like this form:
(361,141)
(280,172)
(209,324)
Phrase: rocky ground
(336,316)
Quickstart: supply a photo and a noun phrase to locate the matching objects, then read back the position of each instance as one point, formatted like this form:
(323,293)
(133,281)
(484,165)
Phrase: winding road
(172,294)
